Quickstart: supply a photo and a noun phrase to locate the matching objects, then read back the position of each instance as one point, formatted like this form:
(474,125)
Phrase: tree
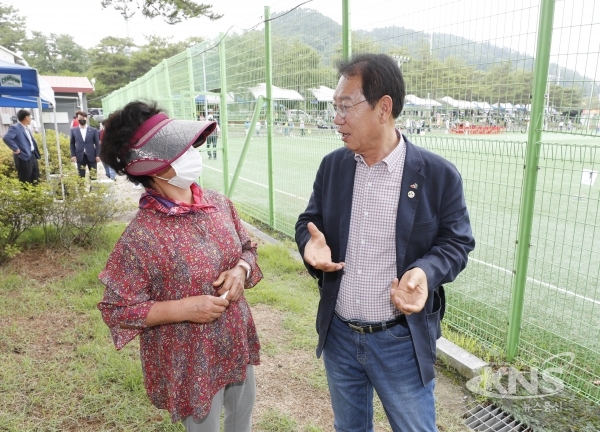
(172,11)
(111,64)
(55,54)
(12,28)
(155,50)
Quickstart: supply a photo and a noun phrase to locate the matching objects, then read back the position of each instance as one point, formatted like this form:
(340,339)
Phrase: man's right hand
(74,159)
(317,253)
(203,308)
(17,151)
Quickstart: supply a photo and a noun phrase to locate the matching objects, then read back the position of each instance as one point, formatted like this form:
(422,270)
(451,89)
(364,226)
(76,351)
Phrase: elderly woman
(176,277)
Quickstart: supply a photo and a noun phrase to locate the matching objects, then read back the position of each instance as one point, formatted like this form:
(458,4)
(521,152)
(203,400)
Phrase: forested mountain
(324,35)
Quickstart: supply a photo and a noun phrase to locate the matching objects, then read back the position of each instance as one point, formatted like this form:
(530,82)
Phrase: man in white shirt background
(85,146)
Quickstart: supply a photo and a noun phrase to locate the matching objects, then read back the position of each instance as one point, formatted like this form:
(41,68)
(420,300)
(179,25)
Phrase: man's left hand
(97,159)
(410,293)
(231,280)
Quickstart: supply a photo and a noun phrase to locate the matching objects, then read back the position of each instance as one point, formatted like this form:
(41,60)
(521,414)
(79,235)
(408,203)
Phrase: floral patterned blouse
(169,251)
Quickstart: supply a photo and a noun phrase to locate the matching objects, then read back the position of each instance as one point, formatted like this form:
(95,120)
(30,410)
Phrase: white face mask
(187,167)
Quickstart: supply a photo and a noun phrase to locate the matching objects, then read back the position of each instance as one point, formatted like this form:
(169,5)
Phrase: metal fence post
(346,32)
(223,114)
(168,87)
(269,90)
(240,164)
(192,84)
(536,125)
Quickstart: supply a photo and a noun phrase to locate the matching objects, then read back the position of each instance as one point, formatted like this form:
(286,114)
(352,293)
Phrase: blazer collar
(413,158)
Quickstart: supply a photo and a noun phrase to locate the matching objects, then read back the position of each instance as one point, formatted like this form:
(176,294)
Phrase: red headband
(148,129)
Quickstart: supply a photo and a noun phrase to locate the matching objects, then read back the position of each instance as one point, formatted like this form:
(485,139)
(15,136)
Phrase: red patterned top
(169,251)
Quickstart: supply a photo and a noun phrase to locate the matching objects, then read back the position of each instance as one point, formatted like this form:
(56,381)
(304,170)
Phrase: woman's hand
(231,280)
(203,308)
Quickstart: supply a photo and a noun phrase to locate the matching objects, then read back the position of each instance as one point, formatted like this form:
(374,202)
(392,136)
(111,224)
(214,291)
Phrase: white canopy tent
(323,93)
(460,104)
(422,103)
(484,106)
(278,93)
(507,107)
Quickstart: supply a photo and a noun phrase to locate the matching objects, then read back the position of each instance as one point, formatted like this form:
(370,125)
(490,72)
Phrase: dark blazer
(433,232)
(91,144)
(15,138)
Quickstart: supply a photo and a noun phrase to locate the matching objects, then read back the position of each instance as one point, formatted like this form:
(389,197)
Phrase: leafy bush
(22,206)
(7,164)
(82,216)
(65,153)
(79,219)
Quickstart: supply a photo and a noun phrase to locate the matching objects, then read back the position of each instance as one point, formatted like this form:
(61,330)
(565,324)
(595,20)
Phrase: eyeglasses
(342,110)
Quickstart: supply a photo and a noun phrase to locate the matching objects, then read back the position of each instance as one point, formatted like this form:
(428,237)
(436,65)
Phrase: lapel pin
(414,186)
(411,194)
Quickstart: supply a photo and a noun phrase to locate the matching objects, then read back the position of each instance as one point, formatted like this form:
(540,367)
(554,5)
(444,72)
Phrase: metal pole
(190,65)
(60,168)
(223,115)
(168,87)
(346,32)
(587,126)
(39,101)
(205,95)
(540,74)
(269,90)
(240,163)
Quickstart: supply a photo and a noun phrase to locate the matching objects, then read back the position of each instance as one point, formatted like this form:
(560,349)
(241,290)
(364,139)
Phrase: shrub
(65,153)
(7,164)
(22,206)
(80,218)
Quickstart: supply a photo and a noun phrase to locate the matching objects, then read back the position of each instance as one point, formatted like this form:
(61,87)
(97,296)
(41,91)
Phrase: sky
(509,23)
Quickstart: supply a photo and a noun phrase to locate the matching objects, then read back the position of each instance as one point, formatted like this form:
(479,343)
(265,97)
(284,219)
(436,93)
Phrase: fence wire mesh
(469,72)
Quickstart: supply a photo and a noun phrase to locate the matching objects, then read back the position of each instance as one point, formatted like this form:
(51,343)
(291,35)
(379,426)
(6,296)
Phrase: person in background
(212,139)
(301,127)
(24,147)
(247,125)
(33,126)
(85,146)
(257,128)
(386,225)
(177,275)
(110,173)
(74,122)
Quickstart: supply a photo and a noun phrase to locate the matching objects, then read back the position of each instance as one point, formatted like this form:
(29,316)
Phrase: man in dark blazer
(385,227)
(24,147)
(85,146)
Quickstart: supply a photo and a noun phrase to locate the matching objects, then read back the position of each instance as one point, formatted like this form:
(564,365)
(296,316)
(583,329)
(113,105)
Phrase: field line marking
(537,281)
(260,184)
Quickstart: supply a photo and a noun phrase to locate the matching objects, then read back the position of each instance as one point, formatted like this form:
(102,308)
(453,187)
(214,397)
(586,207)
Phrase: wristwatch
(246,267)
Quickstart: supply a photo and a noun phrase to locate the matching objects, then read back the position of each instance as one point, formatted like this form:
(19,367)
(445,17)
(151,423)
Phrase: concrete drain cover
(490,418)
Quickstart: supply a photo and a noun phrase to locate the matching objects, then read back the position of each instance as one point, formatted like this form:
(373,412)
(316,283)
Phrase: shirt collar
(393,159)
(154,201)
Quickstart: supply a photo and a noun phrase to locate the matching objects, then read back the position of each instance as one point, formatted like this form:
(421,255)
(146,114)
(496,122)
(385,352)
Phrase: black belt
(373,328)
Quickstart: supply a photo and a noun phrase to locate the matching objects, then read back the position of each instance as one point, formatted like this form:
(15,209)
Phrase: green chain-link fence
(508,91)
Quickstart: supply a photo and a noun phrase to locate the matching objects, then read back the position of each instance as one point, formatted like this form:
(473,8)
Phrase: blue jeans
(385,361)
(110,173)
